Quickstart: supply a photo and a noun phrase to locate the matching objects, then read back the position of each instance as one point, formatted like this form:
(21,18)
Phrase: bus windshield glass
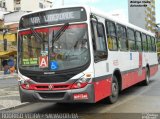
(55,48)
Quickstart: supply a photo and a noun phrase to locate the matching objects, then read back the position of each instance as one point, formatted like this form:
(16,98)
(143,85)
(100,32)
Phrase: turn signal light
(78,85)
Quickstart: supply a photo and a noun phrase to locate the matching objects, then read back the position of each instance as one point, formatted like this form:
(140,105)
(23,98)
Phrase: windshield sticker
(53,65)
(31,61)
(43,61)
(44,53)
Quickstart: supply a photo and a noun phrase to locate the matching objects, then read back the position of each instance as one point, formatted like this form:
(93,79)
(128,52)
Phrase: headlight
(81,83)
(25,82)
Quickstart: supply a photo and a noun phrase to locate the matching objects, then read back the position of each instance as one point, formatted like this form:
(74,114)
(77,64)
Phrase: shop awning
(9,37)
(7,54)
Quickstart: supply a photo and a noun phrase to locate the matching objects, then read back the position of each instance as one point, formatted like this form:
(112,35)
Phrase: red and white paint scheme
(93,56)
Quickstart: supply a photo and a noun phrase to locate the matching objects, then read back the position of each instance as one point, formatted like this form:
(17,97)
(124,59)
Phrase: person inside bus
(81,43)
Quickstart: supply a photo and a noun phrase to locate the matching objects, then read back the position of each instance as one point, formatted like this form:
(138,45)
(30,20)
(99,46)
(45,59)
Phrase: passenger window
(99,41)
(122,37)
(153,44)
(149,43)
(138,41)
(111,36)
(144,42)
(131,38)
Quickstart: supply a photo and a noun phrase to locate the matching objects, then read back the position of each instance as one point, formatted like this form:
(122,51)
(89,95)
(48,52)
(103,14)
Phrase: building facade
(24,5)
(9,21)
(142,13)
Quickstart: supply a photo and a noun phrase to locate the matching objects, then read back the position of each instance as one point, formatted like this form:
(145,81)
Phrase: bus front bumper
(84,95)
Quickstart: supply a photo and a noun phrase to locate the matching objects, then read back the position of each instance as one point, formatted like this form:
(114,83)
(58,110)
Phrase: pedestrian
(6,67)
(11,64)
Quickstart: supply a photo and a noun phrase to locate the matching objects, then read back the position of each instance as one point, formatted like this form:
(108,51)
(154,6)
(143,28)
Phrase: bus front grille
(52,95)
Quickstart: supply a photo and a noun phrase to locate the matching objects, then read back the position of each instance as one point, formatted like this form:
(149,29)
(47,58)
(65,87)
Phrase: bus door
(100,59)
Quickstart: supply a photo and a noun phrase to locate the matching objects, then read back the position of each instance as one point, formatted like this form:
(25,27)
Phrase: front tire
(115,91)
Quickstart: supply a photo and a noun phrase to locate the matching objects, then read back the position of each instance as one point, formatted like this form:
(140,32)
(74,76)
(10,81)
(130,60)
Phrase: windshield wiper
(60,32)
(36,34)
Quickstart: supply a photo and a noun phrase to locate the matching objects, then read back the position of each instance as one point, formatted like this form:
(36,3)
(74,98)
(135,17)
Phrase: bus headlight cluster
(25,83)
(81,83)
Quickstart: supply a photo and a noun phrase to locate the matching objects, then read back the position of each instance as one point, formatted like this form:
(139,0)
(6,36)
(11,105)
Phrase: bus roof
(99,13)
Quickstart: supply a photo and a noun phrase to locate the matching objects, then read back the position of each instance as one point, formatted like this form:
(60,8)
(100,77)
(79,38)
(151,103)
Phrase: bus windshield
(55,48)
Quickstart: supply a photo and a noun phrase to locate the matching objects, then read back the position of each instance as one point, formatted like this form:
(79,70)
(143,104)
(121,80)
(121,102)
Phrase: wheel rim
(114,89)
(147,77)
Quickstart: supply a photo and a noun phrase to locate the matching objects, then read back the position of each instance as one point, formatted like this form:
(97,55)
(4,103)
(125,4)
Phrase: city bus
(79,54)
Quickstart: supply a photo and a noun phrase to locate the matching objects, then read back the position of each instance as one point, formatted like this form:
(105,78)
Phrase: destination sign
(53,17)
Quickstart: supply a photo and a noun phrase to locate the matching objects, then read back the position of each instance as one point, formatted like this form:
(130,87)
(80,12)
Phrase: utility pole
(62,2)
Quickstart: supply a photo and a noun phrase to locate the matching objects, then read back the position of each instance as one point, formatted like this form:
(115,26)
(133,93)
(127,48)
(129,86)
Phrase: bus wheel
(115,91)
(147,78)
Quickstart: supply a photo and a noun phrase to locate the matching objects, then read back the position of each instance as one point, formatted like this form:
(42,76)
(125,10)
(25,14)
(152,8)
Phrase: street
(8,83)
(79,51)
(137,99)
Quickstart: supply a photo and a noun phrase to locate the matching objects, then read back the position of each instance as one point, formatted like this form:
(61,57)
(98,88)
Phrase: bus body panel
(131,65)
(102,87)
(58,96)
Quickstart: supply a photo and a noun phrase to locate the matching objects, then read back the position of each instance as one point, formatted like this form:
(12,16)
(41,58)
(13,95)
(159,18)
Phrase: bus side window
(153,44)
(122,37)
(149,43)
(144,42)
(138,41)
(111,35)
(131,38)
(99,41)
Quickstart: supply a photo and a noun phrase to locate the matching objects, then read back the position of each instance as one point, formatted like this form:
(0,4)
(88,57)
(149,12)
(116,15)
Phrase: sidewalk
(8,76)
(9,94)
(9,97)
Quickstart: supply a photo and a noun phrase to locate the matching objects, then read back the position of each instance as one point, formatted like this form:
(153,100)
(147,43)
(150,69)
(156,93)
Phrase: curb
(15,107)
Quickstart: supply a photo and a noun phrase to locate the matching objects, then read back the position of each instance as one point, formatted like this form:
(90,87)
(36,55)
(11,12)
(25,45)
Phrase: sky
(109,6)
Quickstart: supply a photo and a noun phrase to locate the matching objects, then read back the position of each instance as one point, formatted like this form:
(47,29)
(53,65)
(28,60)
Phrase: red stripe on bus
(102,89)
(137,76)
(37,30)
(52,28)
(70,27)
(131,78)
(47,87)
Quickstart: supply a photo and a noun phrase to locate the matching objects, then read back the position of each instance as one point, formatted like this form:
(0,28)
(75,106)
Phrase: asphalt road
(4,83)
(136,102)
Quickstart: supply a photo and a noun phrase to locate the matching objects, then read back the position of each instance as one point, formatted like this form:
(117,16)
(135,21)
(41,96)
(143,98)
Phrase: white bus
(79,54)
